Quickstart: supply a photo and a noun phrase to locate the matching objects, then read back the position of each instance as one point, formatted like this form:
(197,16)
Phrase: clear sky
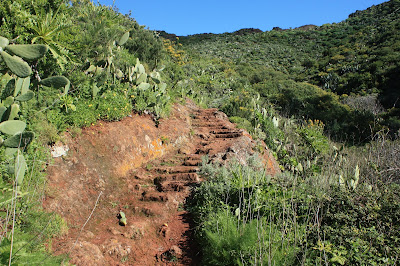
(185,17)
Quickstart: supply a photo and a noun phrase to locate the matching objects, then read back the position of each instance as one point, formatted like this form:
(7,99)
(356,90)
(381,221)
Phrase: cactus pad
(18,66)
(124,38)
(28,51)
(12,127)
(19,140)
(55,82)
(3,42)
(20,168)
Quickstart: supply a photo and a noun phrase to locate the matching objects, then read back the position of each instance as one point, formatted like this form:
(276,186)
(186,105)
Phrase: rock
(221,115)
(148,212)
(164,231)
(175,250)
(88,234)
(87,254)
(114,248)
(59,150)
(171,254)
(134,232)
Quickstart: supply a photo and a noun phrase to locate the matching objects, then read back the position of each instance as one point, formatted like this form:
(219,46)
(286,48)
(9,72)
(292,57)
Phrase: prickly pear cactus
(13,56)
(15,91)
(124,38)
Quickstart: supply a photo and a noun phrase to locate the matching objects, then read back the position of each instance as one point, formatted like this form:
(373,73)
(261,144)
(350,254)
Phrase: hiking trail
(146,172)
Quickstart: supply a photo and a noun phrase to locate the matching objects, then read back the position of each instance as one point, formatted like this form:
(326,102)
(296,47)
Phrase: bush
(113,106)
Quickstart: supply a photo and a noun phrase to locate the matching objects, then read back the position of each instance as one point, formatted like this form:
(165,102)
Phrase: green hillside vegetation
(356,59)
(325,100)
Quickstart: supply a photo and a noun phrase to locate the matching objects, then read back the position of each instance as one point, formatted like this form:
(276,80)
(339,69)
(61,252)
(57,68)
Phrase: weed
(165,140)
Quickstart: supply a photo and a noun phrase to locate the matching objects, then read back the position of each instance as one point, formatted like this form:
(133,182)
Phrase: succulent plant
(18,66)
(57,82)
(19,140)
(20,168)
(124,38)
(16,90)
(14,55)
(12,127)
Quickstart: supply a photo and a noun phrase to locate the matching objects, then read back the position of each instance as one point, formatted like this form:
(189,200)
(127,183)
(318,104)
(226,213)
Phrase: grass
(244,217)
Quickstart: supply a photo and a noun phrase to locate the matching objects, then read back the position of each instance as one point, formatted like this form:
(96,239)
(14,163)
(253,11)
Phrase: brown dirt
(146,172)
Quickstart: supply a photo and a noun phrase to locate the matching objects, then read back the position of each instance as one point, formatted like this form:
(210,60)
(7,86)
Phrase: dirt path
(152,196)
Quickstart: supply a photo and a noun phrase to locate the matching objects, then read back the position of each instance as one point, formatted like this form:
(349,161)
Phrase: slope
(145,172)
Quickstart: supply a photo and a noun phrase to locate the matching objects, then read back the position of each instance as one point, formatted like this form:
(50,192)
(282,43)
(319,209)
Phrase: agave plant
(46,27)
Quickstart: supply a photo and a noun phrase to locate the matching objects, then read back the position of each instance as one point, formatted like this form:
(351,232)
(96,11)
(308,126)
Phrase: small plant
(165,140)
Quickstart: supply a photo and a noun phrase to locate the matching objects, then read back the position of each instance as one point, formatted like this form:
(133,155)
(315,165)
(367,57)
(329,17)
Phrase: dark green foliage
(357,56)
(365,227)
(19,140)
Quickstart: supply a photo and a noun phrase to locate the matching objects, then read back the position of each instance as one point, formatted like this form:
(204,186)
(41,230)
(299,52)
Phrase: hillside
(124,146)
(356,59)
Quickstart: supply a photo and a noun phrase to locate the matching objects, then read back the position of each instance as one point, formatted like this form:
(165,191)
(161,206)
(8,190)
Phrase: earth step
(194,157)
(203,151)
(226,131)
(202,118)
(209,110)
(177,186)
(192,162)
(176,177)
(154,196)
(209,124)
(203,136)
(178,169)
(210,129)
(204,143)
(228,135)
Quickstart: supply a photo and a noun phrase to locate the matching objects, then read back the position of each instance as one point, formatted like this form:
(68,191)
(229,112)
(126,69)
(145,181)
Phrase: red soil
(146,172)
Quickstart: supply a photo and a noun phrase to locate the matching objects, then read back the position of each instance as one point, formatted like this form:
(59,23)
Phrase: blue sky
(218,16)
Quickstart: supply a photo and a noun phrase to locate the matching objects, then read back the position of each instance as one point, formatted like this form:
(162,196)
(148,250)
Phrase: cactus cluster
(17,91)
(107,64)
(150,90)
